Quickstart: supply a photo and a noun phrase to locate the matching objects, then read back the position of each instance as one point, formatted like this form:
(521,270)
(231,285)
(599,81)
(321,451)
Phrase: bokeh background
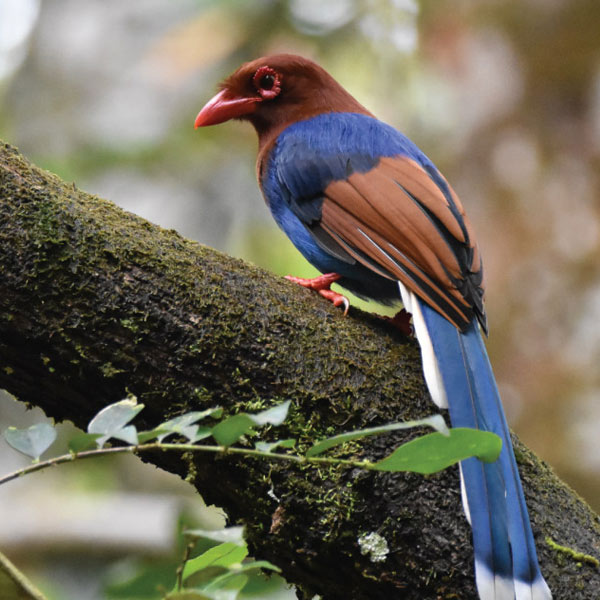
(503,95)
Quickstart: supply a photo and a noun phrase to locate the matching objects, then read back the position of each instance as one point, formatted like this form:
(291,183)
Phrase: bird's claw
(336,299)
(322,284)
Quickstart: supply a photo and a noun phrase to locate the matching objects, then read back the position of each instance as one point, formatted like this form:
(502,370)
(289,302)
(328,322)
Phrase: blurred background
(503,95)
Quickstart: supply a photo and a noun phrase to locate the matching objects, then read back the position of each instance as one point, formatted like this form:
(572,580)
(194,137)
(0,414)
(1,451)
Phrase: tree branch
(96,302)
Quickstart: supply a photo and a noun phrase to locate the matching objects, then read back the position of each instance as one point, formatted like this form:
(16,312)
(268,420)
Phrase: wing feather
(397,217)
(421,185)
(373,251)
(392,205)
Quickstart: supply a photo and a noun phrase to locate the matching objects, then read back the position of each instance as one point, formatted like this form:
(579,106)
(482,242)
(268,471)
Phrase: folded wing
(407,224)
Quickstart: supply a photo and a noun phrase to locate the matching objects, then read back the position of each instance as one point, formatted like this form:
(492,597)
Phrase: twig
(139,448)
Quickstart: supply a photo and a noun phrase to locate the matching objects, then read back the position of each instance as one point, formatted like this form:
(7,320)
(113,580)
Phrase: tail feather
(506,564)
(526,567)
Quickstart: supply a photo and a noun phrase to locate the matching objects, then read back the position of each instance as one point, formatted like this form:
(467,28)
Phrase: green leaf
(270,446)
(127,434)
(83,441)
(260,586)
(222,555)
(139,579)
(202,433)
(112,421)
(272,416)
(234,580)
(187,595)
(257,564)
(434,452)
(435,421)
(235,534)
(33,441)
(225,587)
(146,436)
(233,428)
(185,424)
(230,430)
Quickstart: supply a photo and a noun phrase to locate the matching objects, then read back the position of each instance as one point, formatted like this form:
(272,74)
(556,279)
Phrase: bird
(371,212)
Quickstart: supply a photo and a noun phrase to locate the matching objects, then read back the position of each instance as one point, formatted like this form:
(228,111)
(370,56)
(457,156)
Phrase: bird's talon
(346,304)
(336,299)
(322,285)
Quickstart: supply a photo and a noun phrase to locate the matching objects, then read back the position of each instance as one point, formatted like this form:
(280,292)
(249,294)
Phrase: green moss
(188,459)
(109,370)
(130,324)
(579,557)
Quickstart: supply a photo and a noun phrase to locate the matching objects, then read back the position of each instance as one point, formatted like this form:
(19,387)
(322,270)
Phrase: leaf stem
(140,448)
(24,587)
(186,556)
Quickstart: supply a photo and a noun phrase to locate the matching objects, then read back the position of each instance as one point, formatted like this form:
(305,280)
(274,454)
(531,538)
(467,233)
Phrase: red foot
(401,321)
(322,285)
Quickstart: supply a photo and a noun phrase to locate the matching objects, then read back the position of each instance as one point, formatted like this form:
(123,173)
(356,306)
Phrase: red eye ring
(267,82)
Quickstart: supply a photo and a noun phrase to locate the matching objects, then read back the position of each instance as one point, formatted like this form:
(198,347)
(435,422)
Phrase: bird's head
(274,91)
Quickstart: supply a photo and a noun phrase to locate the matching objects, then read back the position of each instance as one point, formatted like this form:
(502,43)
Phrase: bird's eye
(267,82)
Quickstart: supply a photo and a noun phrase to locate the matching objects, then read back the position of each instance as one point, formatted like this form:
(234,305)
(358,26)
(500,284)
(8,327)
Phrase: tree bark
(96,302)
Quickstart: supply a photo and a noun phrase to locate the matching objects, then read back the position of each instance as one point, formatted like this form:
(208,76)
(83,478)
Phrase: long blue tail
(506,564)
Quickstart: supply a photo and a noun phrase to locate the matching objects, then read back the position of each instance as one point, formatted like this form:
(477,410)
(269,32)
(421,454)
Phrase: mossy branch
(96,302)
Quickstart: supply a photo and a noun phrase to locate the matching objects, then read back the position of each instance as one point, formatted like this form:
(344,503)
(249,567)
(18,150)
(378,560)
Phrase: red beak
(220,109)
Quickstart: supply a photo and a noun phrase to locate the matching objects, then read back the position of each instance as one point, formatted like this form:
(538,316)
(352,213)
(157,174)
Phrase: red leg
(322,284)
